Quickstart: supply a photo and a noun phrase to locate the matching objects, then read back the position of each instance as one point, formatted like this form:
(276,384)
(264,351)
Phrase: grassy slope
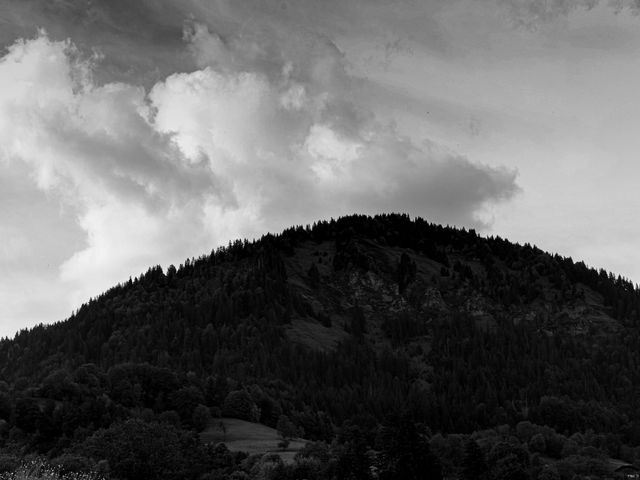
(249,437)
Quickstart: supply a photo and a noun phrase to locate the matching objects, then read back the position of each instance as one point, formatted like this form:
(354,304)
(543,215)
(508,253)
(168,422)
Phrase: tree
(406,453)
(223,428)
(314,275)
(269,467)
(509,468)
(538,443)
(170,417)
(474,466)
(185,400)
(358,324)
(238,404)
(525,430)
(27,414)
(549,472)
(503,449)
(286,429)
(352,460)
(201,417)
(147,451)
(5,406)
(406,272)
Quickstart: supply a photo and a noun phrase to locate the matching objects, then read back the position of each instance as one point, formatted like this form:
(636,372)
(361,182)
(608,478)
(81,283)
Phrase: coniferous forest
(396,348)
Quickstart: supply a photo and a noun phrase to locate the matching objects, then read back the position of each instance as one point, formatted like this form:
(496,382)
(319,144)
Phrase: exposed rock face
(432,299)
(364,274)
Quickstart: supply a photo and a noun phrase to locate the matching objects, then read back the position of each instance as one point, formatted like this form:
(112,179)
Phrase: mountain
(346,329)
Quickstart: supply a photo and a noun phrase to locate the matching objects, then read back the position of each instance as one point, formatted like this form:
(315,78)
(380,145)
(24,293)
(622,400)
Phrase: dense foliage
(339,326)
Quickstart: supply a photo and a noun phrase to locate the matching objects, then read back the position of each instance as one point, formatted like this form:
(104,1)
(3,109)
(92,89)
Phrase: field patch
(243,436)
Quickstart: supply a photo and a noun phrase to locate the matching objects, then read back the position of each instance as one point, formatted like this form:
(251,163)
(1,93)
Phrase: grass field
(240,435)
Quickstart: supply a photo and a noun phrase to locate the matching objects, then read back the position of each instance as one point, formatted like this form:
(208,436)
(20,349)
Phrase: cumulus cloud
(97,142)
(98,150)
(296,127)
(267,130)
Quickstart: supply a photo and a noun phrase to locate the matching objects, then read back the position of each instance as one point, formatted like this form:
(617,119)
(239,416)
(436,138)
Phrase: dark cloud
(140,42)
(533,13)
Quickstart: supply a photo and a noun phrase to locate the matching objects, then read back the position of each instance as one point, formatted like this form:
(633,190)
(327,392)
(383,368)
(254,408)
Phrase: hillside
(339,327)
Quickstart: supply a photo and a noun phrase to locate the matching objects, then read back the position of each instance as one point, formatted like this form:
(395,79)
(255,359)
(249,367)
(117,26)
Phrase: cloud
(96,149)
(268,129)
(97,142)
(533,13)
(298,126)
(139,42)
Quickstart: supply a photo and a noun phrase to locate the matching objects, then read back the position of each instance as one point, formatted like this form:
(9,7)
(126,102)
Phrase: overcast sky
(142,133)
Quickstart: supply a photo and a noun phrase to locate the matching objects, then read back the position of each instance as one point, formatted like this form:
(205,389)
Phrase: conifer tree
(474,466)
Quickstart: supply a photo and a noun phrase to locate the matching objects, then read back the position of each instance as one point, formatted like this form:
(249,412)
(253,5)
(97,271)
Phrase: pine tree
(406,453)
(474,465)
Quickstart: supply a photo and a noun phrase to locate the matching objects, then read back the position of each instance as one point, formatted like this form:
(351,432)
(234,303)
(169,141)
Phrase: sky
(143,133)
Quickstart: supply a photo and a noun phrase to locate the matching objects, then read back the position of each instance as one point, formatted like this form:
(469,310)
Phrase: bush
(474,465)
(185,401)
(549,472)
(170,417)
(73,463)
(286,429)
(570,448)
(525,430)
(283,444)
(579,465)
(509,468)
(269,467)
(238,404)
(503,450)
(315,450)
(308,468)
(201,418)
(538,443)
(8,463)
(37,469)
(137,450)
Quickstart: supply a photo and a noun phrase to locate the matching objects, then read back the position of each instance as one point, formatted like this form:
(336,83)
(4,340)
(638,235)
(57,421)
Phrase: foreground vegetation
(396,347)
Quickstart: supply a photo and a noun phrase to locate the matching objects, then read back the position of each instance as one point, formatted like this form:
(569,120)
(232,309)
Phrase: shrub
(538,443)
(238,404)
(73,463)
(138,450)
(201,418)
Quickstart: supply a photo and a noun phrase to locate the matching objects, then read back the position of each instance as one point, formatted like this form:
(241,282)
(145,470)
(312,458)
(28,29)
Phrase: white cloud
(213,112)
(324,145)
(247,143)
(294,98)
(139,200)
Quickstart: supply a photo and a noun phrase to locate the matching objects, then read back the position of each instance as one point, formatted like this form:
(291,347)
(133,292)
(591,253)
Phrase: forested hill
(338,326)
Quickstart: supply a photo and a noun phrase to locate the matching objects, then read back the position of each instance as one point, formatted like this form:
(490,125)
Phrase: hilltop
(340,326)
